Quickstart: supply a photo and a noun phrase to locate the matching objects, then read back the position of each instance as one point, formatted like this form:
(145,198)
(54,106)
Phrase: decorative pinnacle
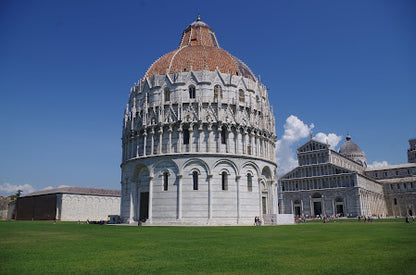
(198,18)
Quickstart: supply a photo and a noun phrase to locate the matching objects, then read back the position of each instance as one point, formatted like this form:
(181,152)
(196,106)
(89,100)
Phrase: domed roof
(349,148)
(199,50)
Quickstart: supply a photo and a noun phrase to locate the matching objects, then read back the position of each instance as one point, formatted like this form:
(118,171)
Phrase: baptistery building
(198,139)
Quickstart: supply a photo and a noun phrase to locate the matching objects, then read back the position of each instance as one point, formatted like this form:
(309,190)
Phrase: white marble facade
(330,183)
(198,147)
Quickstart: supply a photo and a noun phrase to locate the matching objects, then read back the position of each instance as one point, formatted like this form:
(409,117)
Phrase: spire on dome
(348,137)
(198,18)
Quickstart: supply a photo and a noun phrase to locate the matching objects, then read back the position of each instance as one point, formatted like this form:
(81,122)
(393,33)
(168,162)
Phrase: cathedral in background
(327,182)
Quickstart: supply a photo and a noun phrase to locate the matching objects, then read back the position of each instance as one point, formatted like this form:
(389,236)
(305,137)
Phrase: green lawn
(341,248)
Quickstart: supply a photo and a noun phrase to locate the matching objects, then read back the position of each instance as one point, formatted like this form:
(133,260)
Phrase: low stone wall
(276,219)
(3,215)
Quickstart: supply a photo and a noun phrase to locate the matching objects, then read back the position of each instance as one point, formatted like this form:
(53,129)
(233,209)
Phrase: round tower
(198,139)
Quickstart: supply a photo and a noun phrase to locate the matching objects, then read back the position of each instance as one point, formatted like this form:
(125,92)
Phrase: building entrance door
(297,210)
(144,205)
(340,209)
(317,208)
(264,205)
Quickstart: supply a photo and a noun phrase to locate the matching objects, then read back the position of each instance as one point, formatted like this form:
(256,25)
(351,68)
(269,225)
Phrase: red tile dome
(199,51)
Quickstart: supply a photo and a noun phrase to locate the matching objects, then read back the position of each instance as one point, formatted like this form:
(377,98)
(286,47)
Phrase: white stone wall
(210,204)
(74,207)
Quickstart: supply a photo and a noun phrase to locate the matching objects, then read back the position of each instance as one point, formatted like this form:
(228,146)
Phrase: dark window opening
(192,91)
(249,183)
(224,181)
(167,94)
(186,136)
(195,179)
(224,135)
(165,181)
(395,201)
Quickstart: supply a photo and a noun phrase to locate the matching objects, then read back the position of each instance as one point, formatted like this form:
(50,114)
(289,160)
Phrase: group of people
(410,217)
(366,218)
(258,221)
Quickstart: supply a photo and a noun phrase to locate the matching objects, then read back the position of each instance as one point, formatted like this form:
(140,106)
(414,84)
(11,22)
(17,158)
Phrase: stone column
(131,208)
(302,210)
(292,207)
(144,141)
(237,140)
(191,140)
(200,136)
(152,141)
(209,197)
(311,206)
(179,198)
(219,131)
(266,148)
(227,136)
(150,199)
(137,145)
(209,129)
(260,200)
(251,142)
(180,141)
(160,139)
(170,139)
(245,143)
(237,181)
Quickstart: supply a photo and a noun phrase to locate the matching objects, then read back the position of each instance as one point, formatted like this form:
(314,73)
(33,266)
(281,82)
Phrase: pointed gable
(312,145)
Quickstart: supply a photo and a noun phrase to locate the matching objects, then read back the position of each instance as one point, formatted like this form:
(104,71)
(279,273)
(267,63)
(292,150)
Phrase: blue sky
(66,68)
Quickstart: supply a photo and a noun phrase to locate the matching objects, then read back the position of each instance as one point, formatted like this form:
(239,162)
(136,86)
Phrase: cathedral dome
(199,50)
(352,151)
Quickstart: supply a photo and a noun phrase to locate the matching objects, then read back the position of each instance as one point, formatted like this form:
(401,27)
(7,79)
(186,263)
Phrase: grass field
(341,248)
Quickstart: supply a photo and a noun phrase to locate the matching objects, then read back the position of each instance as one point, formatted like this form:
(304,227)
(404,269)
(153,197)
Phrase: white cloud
(7,189)
(377,164)
(296,130)
(332,139)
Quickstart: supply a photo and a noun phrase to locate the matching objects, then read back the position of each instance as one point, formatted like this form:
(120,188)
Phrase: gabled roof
(312,145)
(77,190)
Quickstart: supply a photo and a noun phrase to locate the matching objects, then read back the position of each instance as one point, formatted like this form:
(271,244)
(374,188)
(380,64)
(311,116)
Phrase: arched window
(185,136)
(195,179)
(395,201)
(217,92)
(167,94)
(165,181)
(241,98)
(249,183)
(223,135)
(224,180)
(191,91)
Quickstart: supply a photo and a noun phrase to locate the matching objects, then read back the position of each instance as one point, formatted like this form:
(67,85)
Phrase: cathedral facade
(198,139)
(327,182)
